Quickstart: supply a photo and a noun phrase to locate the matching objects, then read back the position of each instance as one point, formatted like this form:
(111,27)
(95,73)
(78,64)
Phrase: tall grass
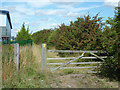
(28,76)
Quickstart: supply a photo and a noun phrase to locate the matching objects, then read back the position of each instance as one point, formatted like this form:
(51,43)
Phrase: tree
(110,43)
(41,36)
(23,34)
(84,33)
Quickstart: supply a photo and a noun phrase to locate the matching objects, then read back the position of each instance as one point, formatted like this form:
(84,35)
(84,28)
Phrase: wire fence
(21,43)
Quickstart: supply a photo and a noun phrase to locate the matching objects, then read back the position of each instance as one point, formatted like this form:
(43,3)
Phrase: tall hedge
(84,33)
(41,36)
(111,43)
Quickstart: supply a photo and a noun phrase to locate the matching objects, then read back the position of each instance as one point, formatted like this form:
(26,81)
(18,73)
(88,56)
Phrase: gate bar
(74,63)
(68,62)
(75,57)
(76,67)
(75,51)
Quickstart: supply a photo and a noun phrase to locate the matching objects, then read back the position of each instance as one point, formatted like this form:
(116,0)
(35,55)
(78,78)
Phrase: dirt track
(82,81)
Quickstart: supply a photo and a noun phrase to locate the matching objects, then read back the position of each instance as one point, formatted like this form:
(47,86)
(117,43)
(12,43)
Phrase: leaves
(80,33)
(23,34)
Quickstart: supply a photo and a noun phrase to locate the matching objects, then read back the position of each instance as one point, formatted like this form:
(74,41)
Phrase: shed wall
(3,19)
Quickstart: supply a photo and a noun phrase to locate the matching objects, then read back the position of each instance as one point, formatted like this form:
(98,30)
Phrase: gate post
(43,66)
(16,55)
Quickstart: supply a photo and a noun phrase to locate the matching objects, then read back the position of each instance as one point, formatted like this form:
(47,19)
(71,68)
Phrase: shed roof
(8,15)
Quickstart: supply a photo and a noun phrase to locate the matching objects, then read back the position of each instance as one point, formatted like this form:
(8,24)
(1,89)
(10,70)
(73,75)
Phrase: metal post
(43,57)
(16,55)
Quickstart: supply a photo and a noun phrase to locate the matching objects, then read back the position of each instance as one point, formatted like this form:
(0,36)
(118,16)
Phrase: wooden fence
(94,56)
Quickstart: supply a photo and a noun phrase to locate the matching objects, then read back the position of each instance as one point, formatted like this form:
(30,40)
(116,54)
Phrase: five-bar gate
(61,65)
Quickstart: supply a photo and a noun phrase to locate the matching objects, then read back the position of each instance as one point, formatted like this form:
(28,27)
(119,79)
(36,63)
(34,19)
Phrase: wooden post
(16,55)
(43,57)
(0,66)
(97,56)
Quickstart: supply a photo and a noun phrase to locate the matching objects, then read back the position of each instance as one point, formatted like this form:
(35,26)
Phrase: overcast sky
(48,14)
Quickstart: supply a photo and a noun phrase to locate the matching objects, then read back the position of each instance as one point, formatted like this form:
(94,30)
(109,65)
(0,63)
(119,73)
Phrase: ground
(82,81)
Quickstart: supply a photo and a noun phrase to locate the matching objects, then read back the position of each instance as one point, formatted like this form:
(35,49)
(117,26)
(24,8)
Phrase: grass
(30,76)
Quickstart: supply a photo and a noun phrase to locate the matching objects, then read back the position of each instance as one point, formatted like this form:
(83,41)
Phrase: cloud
(111,3)
(43,3)
(45,19)
(15,31)
(23,9)
(55,25)
(20,8)
(52,1)
(32,3)
(12,9)
(83,8)
(71,14)
(49,11)
(27,23)
(39,4)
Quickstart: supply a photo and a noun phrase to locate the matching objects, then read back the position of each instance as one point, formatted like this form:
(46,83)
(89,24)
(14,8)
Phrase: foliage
(110,42)
(51,38)
(41,36)
(23,34)
(84,33)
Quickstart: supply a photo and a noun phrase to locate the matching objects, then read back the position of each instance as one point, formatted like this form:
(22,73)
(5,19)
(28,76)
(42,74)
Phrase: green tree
(23,34)
(41,36)
(110,43)
(84,33)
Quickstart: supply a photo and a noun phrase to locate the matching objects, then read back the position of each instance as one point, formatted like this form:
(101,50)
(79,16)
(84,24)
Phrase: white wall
(8,28)
(3,19)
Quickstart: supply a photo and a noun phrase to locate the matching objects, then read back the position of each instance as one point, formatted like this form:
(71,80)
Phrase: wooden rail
(62,65)
(68,62)
(75,67)
(75,57)
(74,63)
(75,51)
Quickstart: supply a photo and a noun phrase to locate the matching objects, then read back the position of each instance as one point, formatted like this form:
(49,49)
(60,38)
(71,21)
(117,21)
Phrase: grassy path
(37,53)
(83,81)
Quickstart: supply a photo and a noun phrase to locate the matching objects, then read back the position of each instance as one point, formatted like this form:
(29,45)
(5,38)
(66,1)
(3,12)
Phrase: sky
(49,14)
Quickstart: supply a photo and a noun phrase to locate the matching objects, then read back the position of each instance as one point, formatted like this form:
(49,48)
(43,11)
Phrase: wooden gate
(94,56)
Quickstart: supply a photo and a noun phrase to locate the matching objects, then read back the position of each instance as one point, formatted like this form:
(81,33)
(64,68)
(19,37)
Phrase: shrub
(41,36)
(110,43)
(84,33)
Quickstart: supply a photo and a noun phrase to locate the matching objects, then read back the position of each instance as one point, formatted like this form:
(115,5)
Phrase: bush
(110,43)
(110,68)
(41,36)
(84,33)
(51,38)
